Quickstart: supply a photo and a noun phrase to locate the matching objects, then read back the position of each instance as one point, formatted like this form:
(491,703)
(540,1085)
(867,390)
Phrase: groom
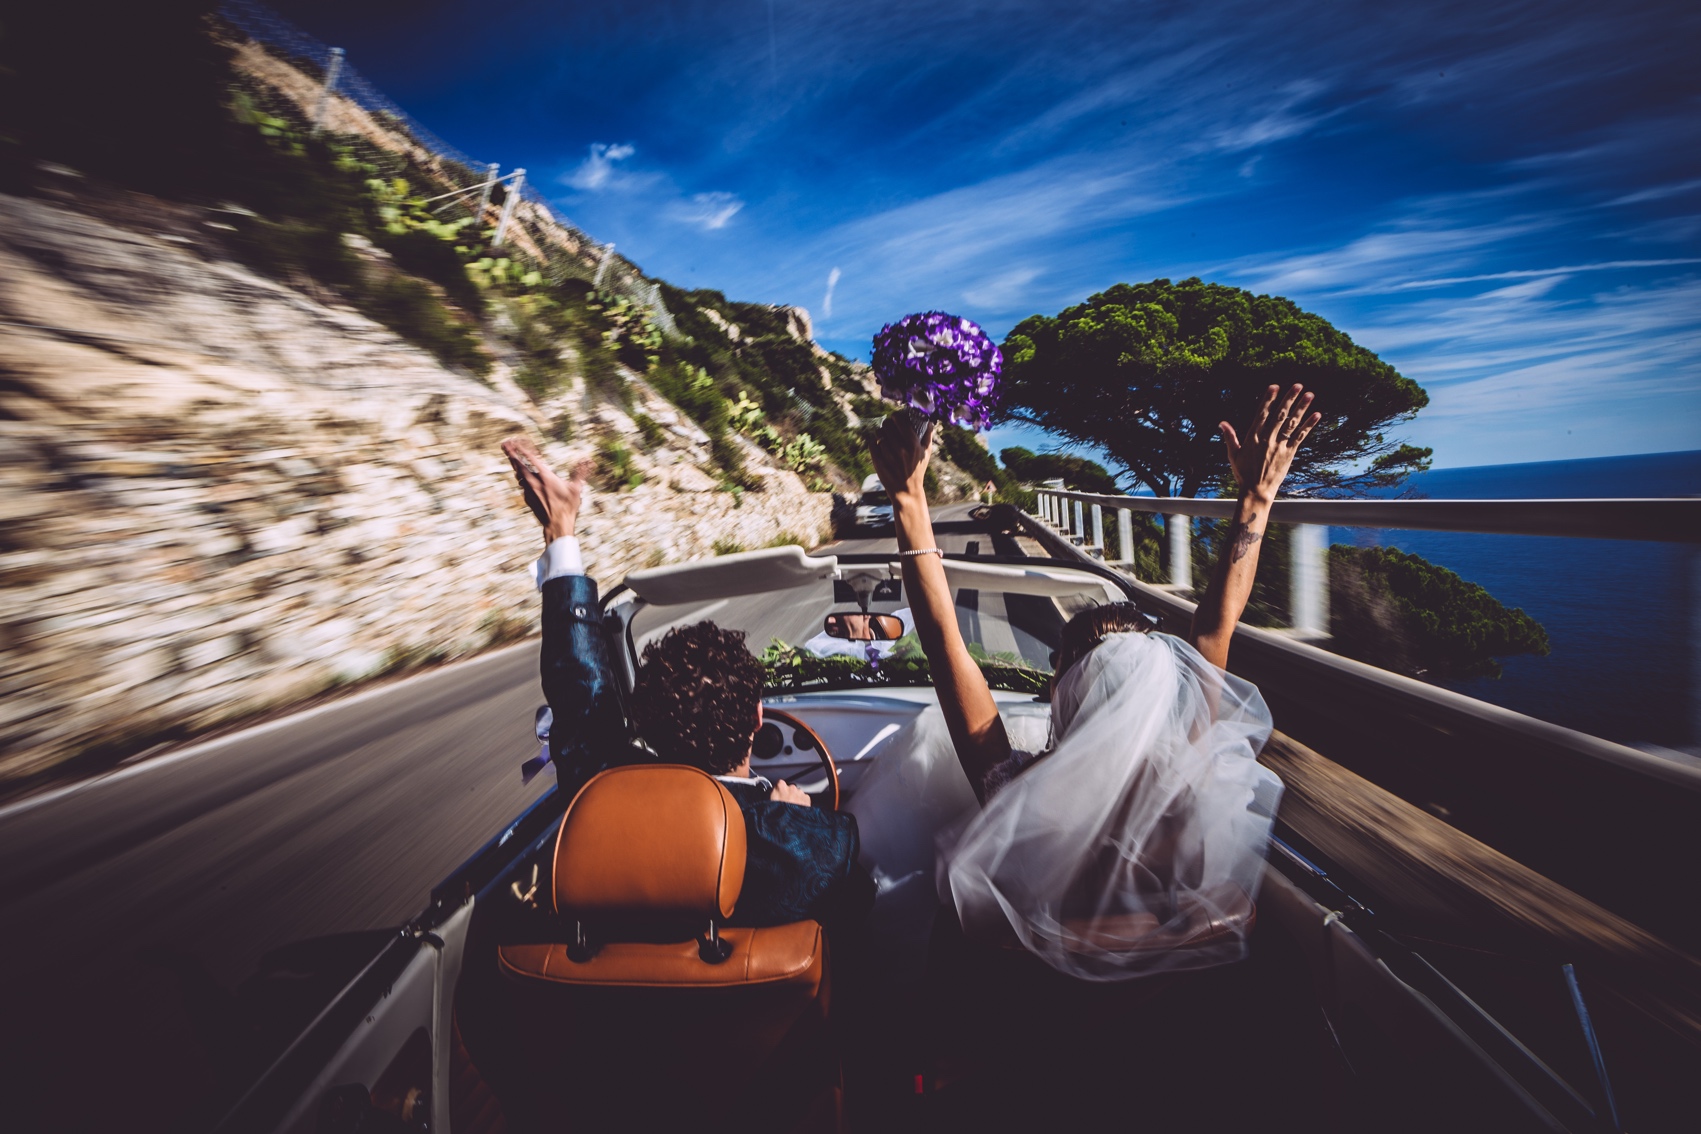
(697,701)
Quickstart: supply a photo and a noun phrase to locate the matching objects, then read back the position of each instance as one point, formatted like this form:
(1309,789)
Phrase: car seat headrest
(650,842)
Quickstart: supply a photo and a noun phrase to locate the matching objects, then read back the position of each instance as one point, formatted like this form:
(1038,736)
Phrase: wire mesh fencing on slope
(332,95)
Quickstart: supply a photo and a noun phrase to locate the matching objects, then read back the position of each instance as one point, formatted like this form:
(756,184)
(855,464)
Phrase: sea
(1623,617)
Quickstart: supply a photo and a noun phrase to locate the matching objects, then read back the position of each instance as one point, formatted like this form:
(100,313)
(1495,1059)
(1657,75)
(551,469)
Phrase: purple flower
(941,365)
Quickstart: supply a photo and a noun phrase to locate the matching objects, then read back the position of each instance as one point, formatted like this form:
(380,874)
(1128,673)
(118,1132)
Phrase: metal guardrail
(1079,516)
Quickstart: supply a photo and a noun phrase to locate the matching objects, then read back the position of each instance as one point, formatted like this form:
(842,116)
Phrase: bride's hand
(1273,438)
(900,459)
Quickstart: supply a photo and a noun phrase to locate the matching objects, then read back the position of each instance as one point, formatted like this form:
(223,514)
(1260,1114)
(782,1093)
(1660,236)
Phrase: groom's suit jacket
(800,862)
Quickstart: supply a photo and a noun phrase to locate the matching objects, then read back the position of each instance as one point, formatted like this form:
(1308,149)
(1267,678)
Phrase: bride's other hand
(900,460)
(1273,438)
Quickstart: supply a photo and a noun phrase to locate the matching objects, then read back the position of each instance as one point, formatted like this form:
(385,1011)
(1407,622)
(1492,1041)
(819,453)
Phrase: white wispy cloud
(1520,363)
(598,170)
(707,211)
(1658,192)
(1000,292)
(987,243)
(827,300)
(1283,118)
(1533,273)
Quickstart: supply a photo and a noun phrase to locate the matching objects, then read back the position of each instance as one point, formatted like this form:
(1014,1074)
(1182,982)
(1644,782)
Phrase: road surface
(124,896)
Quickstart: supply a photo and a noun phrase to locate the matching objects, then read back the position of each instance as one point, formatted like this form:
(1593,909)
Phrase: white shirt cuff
(560,558)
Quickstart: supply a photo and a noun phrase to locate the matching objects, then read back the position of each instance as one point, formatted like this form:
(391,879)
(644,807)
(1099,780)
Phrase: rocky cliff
(220,494)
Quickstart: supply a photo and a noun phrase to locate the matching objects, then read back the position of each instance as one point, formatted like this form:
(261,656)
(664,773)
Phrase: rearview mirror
(864,627)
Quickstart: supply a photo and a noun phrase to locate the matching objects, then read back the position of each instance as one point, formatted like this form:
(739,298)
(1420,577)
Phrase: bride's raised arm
(977,733)
(1260,465)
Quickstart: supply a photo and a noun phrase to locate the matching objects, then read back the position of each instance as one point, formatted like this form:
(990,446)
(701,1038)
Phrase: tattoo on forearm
(1244,540)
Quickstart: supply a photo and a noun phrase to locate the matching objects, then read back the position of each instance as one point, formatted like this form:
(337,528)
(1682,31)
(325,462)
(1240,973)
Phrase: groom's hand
(555,502)
(789,793)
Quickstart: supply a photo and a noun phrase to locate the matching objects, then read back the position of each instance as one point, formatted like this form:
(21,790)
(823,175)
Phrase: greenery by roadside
(1403,613)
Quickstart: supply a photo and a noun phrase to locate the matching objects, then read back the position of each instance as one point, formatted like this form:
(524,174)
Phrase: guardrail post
(602,264)
(332,71)
(1125,534)
(1043,500)
(1180,530)
(1080,532)
(484,196)
(1309,579)
(1098,529)
(508,204)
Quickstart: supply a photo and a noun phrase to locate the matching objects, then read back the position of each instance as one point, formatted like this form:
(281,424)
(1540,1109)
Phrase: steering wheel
(807,739)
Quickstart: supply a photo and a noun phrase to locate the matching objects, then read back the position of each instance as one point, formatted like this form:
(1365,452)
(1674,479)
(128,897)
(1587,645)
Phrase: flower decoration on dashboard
(941,366)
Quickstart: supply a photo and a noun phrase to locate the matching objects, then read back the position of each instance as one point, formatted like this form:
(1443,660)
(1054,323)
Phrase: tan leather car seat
(653,1011)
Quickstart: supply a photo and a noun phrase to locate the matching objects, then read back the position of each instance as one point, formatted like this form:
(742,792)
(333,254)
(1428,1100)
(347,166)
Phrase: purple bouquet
(941,366)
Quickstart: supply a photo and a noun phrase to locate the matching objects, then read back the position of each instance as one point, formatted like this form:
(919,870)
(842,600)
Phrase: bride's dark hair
(1082,633)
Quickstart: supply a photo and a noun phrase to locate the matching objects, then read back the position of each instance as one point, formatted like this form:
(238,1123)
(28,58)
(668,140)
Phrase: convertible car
(577,972)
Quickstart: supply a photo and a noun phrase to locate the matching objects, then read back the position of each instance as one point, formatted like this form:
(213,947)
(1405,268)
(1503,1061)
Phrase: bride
(1133,842)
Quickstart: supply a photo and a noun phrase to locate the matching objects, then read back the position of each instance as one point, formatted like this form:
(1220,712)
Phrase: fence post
(1125,535)
(513,198)
(1180,551)
(1309,575)
(332,71)
(1043,499)
(1080,532)
(602,264)
(484,196)
(1098,529)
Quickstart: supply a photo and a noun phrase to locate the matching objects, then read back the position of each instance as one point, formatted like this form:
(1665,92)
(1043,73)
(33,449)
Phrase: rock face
(219,494)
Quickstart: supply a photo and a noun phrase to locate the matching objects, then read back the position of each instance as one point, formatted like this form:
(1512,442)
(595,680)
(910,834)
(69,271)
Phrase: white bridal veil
(1135,847)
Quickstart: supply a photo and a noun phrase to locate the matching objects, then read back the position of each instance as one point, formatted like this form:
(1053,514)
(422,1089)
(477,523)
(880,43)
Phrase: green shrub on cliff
(783,377)
(615,469)
(410,308)
(1403,613)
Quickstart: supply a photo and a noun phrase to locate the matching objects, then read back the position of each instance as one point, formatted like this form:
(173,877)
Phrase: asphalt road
(334,821)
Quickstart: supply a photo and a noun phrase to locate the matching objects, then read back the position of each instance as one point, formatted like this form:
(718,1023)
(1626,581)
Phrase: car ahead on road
(577,971)
(873,506)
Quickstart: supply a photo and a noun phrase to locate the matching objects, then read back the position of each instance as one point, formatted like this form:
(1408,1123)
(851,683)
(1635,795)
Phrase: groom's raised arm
(589,728)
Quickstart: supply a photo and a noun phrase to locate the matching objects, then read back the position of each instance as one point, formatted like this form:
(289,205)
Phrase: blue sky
(1501,199)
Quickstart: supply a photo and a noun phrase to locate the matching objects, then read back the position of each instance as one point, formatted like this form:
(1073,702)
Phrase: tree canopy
(1146,371)
(1406,614)
(1077,473)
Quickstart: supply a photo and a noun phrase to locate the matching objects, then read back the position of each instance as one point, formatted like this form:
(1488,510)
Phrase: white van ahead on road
(873,507)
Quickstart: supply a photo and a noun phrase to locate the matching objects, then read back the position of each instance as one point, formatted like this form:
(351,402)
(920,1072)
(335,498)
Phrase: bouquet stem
(923,426)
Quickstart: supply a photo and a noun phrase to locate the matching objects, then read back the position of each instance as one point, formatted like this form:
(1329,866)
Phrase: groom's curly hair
(696,697)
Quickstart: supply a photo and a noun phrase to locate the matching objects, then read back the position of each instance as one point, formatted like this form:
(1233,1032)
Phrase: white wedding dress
(1135,846)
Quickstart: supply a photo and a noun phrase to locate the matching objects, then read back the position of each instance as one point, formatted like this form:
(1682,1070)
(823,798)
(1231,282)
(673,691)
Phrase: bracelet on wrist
(939,551)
